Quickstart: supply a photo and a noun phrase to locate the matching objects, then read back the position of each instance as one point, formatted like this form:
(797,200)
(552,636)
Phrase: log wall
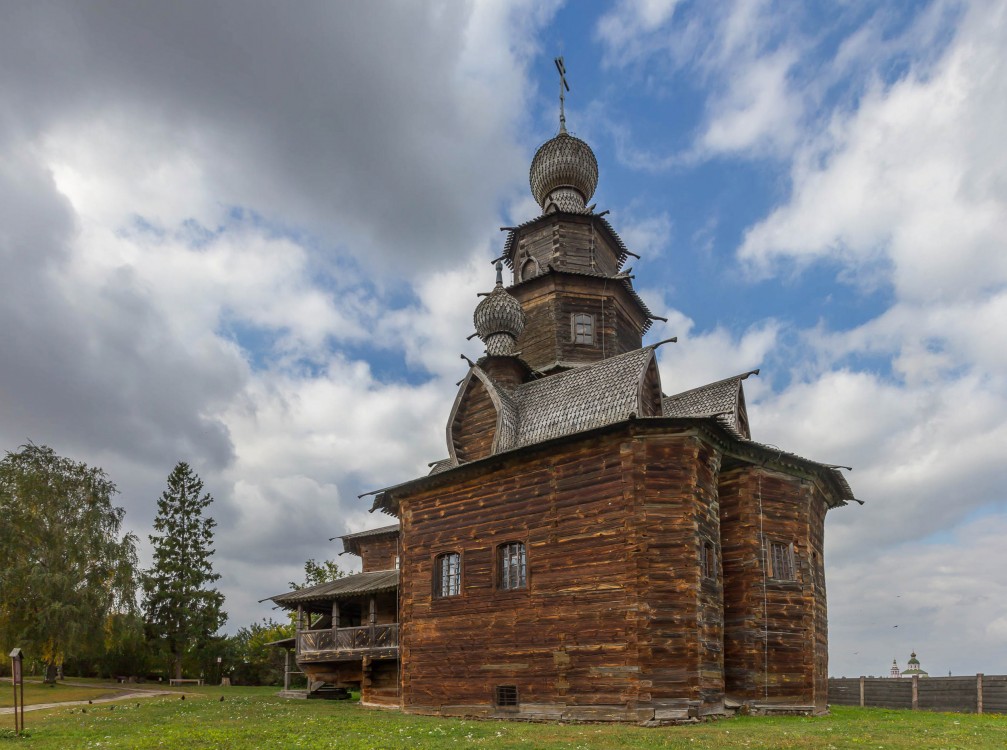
(682,638)
(569,641)
(378,553)
(615,621)
(549,303)
(776,635)
(569,243)
(474,425)
(380,684)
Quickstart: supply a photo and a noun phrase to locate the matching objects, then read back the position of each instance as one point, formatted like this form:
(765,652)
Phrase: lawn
(256,718)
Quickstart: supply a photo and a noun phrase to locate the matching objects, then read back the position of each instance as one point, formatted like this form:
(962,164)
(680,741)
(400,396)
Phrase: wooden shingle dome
(499,319)
(564,174)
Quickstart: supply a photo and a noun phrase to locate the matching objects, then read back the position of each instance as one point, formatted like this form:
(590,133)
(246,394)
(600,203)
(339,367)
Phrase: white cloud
(911,183)
(621,29)
(703,357)
(758,110)
(944,597)
(649,236)
(202,237)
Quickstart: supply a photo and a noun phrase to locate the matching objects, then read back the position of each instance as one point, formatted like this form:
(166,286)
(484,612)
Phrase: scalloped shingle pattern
(563,161)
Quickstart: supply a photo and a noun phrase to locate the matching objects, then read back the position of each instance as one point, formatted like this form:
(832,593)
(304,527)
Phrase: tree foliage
(253,661)
(66,569)
(181,609)
(318,572)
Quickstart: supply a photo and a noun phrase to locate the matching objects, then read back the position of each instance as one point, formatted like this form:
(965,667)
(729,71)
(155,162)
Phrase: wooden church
(590,548)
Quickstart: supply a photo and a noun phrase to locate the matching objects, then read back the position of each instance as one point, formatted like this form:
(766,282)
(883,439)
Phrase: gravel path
(126,695)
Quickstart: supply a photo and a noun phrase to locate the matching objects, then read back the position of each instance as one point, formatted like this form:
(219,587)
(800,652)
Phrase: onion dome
(913,661)
(499,319)
(564,174)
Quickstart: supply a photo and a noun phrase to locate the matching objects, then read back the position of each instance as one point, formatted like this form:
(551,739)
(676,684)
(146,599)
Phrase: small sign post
(17,678)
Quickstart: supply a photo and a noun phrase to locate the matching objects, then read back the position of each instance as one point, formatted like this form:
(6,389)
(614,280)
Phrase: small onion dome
(499,319)
(564,172)
(913,661)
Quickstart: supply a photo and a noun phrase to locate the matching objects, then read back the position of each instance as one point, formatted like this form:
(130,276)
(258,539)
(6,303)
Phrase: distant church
(913,668)
(590,548)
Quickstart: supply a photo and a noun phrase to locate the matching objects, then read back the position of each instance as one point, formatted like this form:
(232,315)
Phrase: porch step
(329,692)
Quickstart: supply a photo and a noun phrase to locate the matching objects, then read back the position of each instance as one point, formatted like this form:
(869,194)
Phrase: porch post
(297,629)
(335,614)
(286,669)
(373,617)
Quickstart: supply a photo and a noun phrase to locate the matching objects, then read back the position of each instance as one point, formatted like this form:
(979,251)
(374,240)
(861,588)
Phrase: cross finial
(563,87)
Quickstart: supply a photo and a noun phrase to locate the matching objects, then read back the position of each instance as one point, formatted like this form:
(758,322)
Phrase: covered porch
(347,635)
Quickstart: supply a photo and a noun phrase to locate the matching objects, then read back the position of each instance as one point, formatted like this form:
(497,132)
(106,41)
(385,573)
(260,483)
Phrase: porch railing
(360,639)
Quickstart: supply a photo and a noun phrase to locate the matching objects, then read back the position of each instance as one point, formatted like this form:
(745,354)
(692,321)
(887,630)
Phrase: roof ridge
(739,378)
(369,532)
(580,369)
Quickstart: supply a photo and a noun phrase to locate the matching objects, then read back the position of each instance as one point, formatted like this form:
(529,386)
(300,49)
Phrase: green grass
(36,692)
(256,718)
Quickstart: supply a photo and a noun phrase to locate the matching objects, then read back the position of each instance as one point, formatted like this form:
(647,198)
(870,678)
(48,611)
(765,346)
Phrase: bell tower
(579,303)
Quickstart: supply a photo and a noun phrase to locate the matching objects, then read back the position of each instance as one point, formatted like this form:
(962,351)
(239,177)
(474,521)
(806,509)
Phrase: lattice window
(582,328)
(449,574)
(506,696)
(513,566)
(781,561)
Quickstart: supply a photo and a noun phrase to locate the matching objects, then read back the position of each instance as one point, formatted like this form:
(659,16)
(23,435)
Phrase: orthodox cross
(562,97)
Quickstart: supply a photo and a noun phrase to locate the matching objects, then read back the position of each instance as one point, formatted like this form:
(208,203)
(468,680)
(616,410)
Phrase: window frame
(577,336)
(442,576)
(504,563)
(529,268)
(506,697)
(708,561)
(782,566)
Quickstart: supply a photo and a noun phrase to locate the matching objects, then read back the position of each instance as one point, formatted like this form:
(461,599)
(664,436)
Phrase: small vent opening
(506,696)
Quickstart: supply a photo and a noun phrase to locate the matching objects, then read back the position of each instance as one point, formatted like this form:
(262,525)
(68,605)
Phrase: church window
(781,561)
(582,326)
(448,571)
(708,561)
(512,566)
(529,269)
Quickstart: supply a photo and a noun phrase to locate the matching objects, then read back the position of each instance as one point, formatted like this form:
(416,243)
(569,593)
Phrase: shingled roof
(573,401)
(580,399)
(723,400)
(341,588)
(608,392)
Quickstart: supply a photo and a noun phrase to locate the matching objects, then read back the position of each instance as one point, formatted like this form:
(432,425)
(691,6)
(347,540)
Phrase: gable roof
(342,588)
(576,400)
(607,394)
(723,400)
(580,399)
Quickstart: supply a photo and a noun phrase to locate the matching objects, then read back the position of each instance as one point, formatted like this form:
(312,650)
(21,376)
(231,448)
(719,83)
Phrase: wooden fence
(979,694)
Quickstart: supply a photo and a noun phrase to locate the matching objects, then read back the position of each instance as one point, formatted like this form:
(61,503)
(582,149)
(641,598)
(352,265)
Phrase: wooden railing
(360,639)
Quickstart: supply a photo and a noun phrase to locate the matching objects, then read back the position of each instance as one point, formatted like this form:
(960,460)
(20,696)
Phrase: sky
(250,236)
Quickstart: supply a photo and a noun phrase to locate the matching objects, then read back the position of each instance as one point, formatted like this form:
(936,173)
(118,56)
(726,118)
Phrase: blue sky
(251,239)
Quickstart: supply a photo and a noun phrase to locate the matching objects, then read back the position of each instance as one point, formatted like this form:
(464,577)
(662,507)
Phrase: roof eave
(739,446)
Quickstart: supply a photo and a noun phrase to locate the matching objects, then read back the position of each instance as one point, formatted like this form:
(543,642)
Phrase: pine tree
(180,607)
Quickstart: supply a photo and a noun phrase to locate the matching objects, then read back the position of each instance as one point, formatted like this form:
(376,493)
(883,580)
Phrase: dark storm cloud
(353,118)
(95,371)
